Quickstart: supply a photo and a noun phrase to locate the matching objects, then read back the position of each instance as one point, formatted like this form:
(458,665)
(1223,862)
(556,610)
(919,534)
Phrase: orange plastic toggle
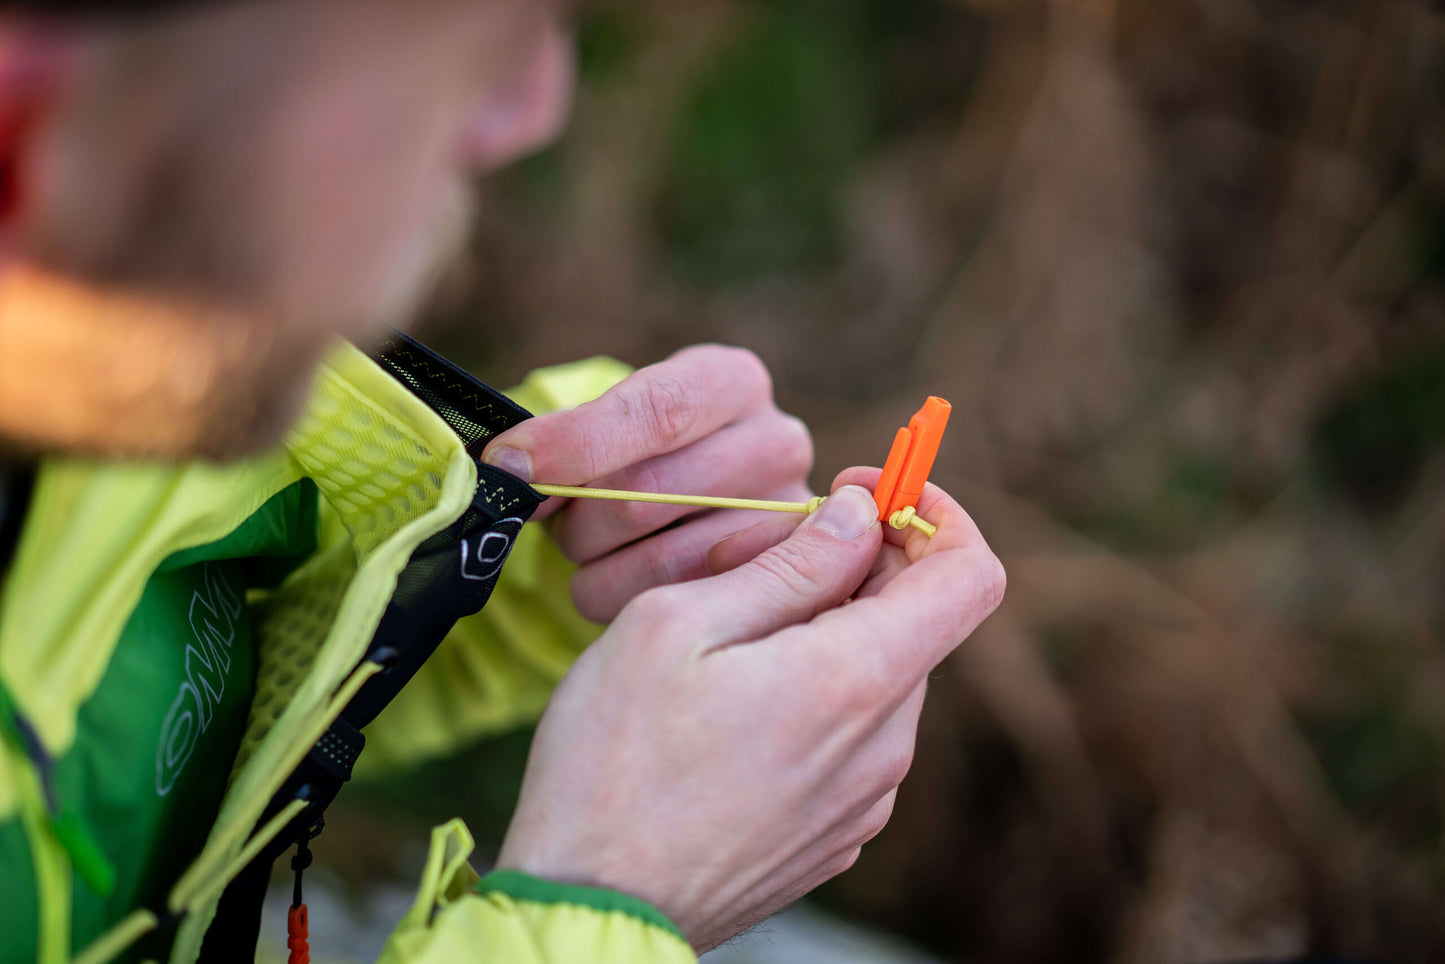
(911,458)
(298,927)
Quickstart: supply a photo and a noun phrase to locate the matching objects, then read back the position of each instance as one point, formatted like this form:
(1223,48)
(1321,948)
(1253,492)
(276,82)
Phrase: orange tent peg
(911,459)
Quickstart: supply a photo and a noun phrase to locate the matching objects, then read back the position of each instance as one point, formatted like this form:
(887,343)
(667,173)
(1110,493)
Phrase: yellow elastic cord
(114,942)
(908,516)
(253,846)
(704,501)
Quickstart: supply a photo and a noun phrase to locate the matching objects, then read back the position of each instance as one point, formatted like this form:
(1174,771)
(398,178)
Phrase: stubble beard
(171,360)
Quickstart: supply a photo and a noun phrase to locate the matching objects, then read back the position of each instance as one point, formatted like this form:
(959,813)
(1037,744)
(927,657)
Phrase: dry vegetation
(1178,265)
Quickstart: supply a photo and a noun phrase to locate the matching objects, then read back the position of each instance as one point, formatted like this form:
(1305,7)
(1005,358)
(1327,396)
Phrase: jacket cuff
(521,886)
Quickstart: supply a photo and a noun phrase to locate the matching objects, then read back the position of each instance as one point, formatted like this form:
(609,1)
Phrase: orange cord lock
(297,934)
(911,460)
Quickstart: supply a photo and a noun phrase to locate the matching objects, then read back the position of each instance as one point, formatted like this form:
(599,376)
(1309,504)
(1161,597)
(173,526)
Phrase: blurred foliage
(1383,764)
(1375,441)
(608,40)
(777,121)
(1180,266)
(765,140)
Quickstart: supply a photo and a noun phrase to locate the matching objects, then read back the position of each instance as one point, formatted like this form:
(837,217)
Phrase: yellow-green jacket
(390,473)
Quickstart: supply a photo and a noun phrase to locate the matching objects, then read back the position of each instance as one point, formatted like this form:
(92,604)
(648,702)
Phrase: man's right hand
(730,743)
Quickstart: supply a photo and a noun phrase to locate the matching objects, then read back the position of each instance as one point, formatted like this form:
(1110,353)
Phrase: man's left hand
(703,422)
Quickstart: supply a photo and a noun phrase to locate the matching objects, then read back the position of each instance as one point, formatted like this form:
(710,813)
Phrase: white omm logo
(491,550)
(215,607)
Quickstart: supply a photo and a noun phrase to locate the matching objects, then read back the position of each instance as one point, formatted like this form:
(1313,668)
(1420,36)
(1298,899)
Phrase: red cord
(297,934)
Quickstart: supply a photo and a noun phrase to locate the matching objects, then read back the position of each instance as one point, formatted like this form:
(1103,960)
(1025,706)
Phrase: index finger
(656,410)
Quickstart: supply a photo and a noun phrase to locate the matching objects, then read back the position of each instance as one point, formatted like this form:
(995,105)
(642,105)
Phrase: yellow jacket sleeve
(512,917)
(497,669)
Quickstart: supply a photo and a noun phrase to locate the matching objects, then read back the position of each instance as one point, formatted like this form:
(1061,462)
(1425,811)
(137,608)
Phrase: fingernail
(846,514)
(508,459)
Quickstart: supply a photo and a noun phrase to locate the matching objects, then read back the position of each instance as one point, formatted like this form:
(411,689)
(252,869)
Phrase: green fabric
(520,886)
(155,742)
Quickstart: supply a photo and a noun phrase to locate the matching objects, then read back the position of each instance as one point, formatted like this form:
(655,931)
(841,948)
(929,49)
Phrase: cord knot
(903,517)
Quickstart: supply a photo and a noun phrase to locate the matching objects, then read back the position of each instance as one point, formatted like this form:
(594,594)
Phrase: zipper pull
(298,923)
(297,934)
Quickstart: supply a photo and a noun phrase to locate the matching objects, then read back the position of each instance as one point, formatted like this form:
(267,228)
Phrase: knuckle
(668,405)
(798,442)
(752,371)
(673,561)
(746,372)
(851,683)
(659,609)
(788,570)
(638,517)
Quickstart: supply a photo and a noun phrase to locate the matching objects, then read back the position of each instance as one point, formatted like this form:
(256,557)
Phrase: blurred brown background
(1180,267)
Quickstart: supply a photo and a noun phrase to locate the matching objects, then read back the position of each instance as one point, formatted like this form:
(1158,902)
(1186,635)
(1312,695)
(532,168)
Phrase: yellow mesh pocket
(290,625)
(376,474)
(374,470)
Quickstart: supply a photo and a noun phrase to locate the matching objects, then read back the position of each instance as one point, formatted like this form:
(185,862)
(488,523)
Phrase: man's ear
(34,61)
(530,111)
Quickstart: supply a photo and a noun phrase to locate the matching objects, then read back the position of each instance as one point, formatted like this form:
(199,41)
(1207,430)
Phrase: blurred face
(281,171)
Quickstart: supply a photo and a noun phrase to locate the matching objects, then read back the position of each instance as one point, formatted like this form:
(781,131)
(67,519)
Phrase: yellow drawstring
(908,516)
(901,519)
(113,943)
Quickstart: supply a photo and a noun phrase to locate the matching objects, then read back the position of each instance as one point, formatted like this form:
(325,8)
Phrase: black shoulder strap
(450,575)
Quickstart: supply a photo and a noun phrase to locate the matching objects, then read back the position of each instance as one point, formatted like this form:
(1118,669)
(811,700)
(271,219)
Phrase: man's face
(301,163)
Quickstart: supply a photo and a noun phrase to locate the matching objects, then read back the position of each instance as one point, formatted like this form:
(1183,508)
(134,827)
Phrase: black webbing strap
(475,411)
(450,575)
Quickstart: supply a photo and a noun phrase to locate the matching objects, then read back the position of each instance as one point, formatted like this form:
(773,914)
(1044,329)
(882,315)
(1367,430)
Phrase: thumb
(819,566)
